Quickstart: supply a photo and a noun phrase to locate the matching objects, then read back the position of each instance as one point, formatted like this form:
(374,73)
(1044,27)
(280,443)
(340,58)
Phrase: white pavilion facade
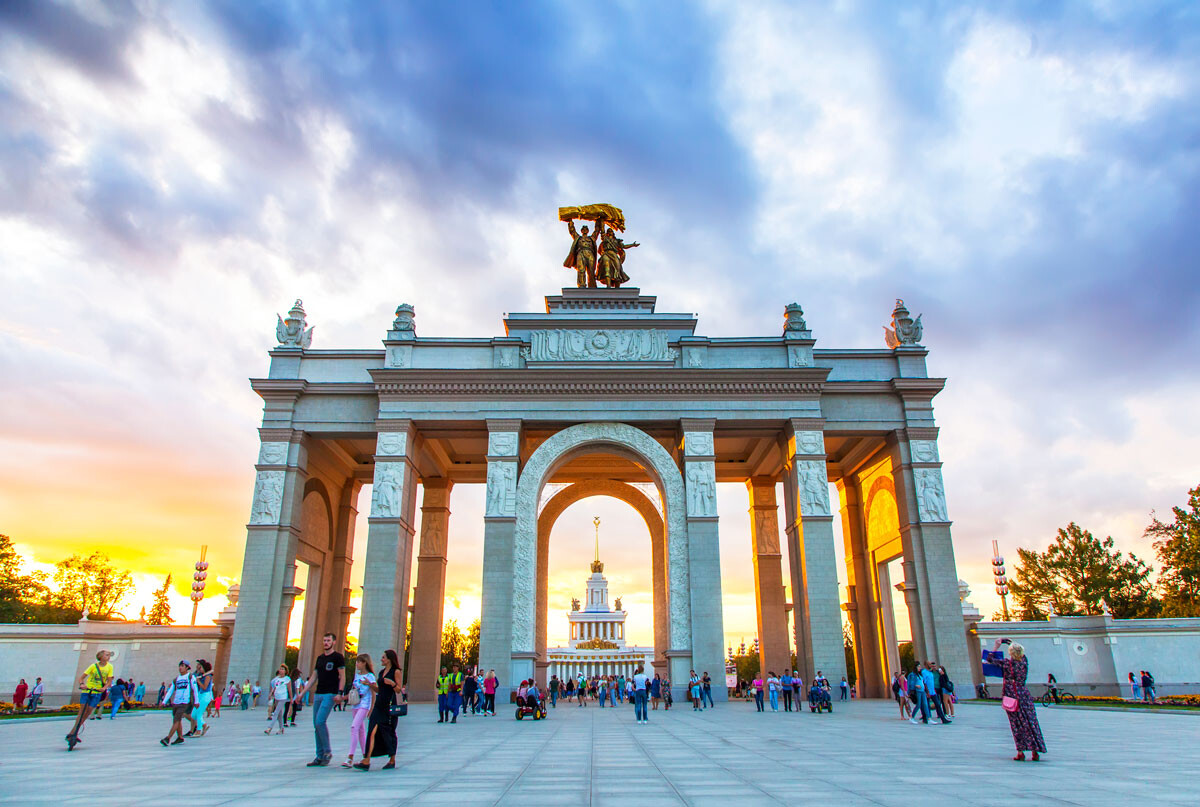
(596,644)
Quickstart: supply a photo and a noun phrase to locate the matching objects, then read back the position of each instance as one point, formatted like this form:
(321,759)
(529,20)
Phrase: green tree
(1077,575)
(91,584)
(1177,545)
(291,657)
(471,643)
(453,643)
(908,656)
(26,597)
(160,610)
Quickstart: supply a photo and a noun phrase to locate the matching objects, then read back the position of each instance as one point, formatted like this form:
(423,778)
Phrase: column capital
(503,424)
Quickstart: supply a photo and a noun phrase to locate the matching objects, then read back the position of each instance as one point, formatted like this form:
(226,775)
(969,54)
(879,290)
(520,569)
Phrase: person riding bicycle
(1052,686)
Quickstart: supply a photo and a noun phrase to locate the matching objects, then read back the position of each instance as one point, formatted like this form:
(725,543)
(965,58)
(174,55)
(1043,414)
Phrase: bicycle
(1063,697)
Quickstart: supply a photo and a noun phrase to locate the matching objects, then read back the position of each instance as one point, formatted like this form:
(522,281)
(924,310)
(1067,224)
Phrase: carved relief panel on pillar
(268,497)
(501,489)
(387,491)
(700,474)
(931,495)
(813,486)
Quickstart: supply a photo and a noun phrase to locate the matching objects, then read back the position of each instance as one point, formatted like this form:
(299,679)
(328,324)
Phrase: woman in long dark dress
(381,725)
(1027,734)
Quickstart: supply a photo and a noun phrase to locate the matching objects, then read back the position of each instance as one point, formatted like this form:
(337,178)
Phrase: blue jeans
(708,695)
(245,701)
(553,698)
(758,699)
(322,706)
(774,700)
(604,697)
(454,703)
(923,704)
(639,705)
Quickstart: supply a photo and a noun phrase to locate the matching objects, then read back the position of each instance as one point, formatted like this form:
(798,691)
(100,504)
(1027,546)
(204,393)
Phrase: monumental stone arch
(602,394)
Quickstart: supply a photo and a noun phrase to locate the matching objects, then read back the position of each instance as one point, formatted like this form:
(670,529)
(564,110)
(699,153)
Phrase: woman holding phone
(1017,701)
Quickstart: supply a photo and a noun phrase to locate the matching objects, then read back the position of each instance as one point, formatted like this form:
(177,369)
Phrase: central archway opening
(600,597)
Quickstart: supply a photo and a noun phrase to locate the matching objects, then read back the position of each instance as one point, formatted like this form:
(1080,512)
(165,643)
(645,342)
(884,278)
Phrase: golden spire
(597,566)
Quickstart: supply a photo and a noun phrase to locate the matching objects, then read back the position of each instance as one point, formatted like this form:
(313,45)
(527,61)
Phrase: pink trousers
(358,732)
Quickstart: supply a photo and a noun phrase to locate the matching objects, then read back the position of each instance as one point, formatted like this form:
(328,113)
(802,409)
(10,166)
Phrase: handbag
(398,709)
(1009,704)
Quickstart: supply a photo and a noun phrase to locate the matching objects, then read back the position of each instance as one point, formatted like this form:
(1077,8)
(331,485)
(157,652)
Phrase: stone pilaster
(269,564)
(384,620)
(499,529)
(774,649)
(704,556)
(426,651)
(925,535)
(811,544)
(861,606)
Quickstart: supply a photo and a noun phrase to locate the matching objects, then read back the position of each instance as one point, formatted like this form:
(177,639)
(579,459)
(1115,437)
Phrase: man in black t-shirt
(329,677)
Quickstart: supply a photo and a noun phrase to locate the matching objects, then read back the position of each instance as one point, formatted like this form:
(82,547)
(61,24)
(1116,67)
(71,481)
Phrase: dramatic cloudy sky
(174,174)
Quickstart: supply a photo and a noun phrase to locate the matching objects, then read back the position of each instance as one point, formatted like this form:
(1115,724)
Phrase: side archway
(639,501)
(541,466)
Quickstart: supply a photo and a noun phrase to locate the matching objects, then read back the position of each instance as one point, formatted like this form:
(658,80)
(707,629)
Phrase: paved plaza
(862,754)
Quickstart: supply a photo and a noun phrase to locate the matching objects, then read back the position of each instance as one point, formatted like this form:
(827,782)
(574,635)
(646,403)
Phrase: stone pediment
(600,325)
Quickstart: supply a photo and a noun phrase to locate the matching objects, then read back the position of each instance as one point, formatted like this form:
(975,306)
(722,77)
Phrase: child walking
(364,676)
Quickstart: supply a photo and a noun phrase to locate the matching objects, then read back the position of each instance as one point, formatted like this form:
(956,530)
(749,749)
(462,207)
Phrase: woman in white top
(773,687)
(281,692)
(364,676)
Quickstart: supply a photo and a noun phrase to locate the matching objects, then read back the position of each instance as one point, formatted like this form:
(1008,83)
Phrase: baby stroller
(819,699)
(530,702)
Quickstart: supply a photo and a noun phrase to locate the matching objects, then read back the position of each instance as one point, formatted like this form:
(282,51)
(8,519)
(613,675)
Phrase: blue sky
(1026,175)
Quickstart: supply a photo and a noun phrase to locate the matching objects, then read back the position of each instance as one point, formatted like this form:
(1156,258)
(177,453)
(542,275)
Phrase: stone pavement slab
(862,754)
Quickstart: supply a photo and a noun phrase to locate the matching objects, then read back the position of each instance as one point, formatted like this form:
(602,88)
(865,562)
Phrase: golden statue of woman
(610,267)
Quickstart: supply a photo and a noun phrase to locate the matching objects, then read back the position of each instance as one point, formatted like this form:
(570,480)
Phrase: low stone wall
(1093,655)
(61,653)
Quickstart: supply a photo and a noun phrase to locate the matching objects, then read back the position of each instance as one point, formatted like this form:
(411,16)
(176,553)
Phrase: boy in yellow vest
(92,683)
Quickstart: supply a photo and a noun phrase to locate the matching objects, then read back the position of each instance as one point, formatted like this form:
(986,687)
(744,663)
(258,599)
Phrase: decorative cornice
(585,383)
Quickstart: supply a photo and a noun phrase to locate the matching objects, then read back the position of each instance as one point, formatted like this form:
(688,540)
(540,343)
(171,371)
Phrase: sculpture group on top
(593,262)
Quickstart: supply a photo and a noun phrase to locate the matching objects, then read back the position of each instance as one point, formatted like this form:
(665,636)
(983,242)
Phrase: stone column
(390,529)
(499,528)
(925,536)
(814,548)
(426,650)
(774,649)
(336,616)
(269,564)
(704,556)
(861,606)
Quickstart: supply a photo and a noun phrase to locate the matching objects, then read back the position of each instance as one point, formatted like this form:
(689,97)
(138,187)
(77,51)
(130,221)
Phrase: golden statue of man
(582,257)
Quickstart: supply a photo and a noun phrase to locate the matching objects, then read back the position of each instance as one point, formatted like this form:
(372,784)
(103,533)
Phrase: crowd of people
(924,694)
(924,691)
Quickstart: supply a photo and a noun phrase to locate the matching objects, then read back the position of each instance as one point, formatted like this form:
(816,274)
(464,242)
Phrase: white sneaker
(913,720)
(935,722)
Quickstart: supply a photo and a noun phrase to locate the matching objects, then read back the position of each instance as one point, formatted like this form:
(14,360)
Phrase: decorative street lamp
(198,579)
(1001,580)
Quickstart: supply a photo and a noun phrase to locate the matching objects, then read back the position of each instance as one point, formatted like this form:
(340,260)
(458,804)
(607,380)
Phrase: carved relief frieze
(387,491)
(701,489)
(268,497)
(810,442)
(698,444)
(273,453)
(501,489)
(813,486)
(563,344)
(931,496)
(924,450)
(391,444)
(502,444)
